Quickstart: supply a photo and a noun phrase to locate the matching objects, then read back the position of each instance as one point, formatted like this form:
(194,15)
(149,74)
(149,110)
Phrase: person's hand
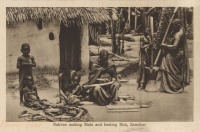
(106,80)
(156,68)
(103,80)
(114,80)
(24,64)
(60,74)
(163,45)
(148,37)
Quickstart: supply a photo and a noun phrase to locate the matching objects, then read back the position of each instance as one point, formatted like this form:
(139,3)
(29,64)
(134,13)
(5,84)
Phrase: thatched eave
(67,15)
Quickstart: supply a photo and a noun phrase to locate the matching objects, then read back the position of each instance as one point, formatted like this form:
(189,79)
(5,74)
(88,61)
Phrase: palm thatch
(67,15)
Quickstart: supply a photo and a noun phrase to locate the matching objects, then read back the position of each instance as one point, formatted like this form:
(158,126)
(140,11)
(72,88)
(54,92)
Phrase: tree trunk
(113,36)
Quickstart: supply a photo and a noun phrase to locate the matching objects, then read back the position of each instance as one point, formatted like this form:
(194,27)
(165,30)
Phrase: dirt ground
(165,107)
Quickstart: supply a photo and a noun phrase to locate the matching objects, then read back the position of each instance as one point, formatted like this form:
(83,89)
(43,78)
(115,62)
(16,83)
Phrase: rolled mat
(122,107)
(128,110)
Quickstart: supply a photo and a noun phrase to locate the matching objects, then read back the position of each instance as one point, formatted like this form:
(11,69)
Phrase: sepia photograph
(99,64)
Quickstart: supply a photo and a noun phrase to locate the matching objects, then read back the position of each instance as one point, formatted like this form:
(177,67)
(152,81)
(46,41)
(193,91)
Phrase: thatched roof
(68,15)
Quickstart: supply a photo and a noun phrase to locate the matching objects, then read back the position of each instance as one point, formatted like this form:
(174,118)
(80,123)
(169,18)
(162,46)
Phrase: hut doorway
(70,48)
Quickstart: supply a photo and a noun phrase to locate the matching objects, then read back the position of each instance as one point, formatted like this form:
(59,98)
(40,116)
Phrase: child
(143,59)
(31,98)
(71,92)
(24,64)
(29,91)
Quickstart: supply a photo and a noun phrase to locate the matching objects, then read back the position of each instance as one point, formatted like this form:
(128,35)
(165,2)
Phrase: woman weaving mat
(103,84)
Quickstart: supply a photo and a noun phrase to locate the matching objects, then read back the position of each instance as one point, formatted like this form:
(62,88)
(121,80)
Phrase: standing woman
(174,69)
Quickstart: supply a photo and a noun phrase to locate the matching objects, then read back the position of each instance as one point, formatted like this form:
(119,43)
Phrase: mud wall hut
(53,33)
(45,51)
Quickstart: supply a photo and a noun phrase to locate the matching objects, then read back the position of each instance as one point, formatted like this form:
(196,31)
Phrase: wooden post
(135,27)
(114,45)
(152,35)
(129,16)
(151,26)
(85,57)
(113,32)
(119,33)
(184,19)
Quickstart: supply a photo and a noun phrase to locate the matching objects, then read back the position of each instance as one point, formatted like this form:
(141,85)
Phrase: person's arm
(144,46)
(147,39)
(35,92)
(33,64)
(25,90)
(176,41)
(144,42)
(113,70)
(76,90)
(60,104)
(95,66)
(63,95)
(18,63)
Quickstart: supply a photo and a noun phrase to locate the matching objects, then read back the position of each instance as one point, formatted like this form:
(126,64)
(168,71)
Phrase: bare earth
(166,107)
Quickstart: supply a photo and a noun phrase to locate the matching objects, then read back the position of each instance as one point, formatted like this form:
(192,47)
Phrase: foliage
(163,24)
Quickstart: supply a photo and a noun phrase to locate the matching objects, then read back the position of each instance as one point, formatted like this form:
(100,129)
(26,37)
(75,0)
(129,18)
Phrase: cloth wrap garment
(143,61)
(32,100)
(174,68)
(103,95)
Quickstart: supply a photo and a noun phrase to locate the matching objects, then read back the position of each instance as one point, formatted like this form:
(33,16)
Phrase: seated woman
(103,84)
(102,87)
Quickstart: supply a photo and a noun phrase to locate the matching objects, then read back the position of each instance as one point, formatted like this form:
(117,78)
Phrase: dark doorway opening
(70,48)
